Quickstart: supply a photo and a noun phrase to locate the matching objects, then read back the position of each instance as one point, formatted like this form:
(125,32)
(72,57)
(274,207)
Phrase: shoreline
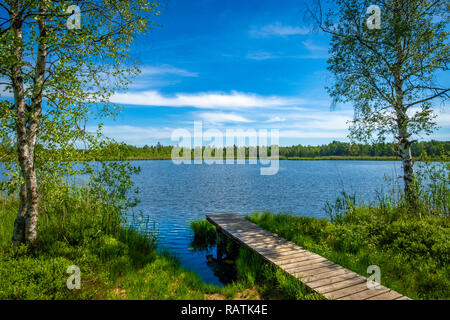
(327,158)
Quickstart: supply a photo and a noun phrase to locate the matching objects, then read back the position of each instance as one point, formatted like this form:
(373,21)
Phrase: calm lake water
(173,195)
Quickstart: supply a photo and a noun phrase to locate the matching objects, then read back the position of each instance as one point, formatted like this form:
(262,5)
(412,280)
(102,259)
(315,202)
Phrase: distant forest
(335,150)
(433,149)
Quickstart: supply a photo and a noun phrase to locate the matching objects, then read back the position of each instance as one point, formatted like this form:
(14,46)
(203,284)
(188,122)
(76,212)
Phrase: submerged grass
(204,234)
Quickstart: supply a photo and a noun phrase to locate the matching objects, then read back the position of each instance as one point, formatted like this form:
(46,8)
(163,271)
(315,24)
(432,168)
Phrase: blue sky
(233,64)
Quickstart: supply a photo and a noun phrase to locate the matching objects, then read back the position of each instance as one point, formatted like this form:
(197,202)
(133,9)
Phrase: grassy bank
(115,262)
(413,253)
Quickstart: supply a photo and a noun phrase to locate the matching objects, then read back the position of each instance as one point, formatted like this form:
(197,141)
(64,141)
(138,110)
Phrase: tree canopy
(388,72)
(56,77)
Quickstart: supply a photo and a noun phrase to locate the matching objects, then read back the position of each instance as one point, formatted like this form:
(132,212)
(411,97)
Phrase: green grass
(204,234)
(412,252)
(115,262)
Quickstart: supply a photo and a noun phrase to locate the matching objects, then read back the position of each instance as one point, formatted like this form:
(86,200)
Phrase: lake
(173,195)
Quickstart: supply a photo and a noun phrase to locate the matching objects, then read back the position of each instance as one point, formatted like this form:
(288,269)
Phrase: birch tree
(385,57)
(60,60)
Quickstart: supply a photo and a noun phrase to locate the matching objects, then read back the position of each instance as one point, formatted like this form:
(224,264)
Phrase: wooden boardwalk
(321,275)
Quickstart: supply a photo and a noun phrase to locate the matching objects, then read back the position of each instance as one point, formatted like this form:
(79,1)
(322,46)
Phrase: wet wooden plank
(319,274)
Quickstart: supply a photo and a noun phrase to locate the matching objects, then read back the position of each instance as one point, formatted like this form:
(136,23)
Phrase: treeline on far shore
(435,150)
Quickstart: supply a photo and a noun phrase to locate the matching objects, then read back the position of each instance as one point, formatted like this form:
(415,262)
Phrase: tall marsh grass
(79,228)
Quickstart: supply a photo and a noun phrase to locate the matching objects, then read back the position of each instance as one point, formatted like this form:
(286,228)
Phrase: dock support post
(220,247)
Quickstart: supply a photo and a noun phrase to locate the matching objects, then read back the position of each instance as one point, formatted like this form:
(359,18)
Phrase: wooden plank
(297,254)
(325,275)
(245,234)
(315,271)
(296,257)
(391,295)
(251,238)
(331,280)
(264,239)
(341,285)
(280,254)
(403,298)
(262,247)
(267,252)
(273,240)
(240,227)
(248,231)
(310,263)
(269,249)
(346,291)
(271,243)
(366,294)
(308,266)
(274,252)
(318,273)
(309,259)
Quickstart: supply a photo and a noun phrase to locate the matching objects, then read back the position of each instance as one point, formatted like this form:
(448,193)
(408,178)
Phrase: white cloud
(441,112)
(206,100)
(278,29)
(276,119)
(141,135)
(312,134)
(133,134)
(217,118)
(148,135)
(313,47)
(260,55)
(159,76)
(325,121)
(316,51)
(303,123)
(166,69)
(443,119)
